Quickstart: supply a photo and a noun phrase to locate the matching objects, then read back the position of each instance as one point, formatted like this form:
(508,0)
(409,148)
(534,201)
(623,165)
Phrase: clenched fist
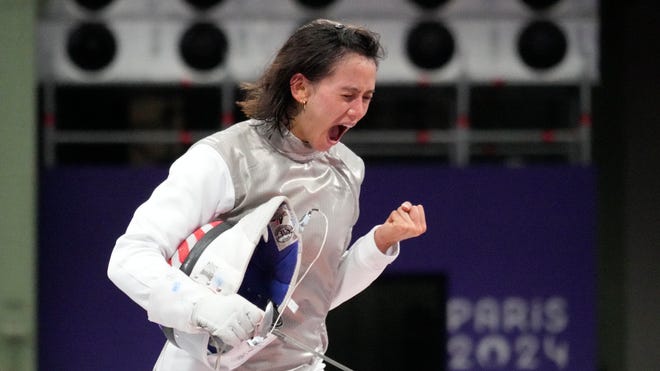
(405,222)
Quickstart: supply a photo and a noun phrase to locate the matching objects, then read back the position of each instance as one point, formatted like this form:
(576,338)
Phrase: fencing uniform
(226,176)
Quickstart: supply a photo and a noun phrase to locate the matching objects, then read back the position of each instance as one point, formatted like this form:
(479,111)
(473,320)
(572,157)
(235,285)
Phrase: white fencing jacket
(226,176)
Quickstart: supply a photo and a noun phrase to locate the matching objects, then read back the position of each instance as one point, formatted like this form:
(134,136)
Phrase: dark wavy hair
(312,50)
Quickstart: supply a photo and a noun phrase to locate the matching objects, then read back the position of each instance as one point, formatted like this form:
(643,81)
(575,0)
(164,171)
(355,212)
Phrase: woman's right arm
(198,188)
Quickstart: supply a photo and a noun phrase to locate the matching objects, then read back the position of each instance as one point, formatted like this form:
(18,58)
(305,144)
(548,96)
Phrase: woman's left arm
(369,255)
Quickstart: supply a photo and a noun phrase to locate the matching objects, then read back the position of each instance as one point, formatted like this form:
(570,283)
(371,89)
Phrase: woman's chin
(324,146)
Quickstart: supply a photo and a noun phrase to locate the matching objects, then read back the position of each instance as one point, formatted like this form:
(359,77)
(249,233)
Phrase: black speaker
(203,5)
(93,5)
(316,4)
(203,46)
(91,46)
(430,45)
(429,4)
(542,44)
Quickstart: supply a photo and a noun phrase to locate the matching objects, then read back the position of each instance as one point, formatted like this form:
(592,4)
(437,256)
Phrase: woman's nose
(357,110)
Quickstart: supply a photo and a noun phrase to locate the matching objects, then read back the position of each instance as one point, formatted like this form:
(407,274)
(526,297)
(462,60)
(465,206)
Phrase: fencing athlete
(318,86)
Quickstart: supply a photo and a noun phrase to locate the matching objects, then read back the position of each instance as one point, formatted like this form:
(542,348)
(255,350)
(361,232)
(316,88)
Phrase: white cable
(283,336)
(325,236)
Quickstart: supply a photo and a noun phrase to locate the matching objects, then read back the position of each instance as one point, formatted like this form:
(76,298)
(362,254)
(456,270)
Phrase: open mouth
(337,131)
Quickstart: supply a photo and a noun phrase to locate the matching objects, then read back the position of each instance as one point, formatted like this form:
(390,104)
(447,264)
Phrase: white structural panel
(393,9)
(148,51)
(485,34)
(179,9)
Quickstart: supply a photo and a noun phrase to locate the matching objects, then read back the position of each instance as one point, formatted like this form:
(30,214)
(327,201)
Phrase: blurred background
(527,128)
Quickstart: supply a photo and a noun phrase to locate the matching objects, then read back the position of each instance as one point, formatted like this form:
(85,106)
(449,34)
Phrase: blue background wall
(497,234)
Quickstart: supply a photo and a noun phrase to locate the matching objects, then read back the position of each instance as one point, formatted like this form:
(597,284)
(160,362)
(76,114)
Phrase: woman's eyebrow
(356,90)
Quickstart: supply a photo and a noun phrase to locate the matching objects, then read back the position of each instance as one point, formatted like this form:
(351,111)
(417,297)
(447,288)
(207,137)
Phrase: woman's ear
(299,88)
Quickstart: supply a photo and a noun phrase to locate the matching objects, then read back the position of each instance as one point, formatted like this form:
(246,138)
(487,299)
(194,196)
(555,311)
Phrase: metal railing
(459,144)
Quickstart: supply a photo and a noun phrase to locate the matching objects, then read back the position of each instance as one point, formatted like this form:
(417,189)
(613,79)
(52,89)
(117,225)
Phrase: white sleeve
(198,187)
(361,265)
